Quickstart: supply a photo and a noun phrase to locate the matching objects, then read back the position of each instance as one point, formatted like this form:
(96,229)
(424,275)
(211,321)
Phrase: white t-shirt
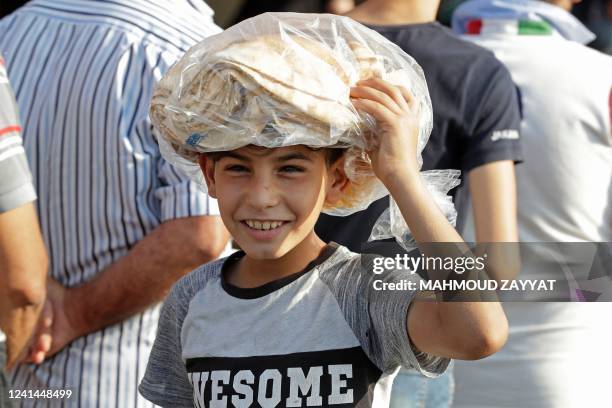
(557,354)
(564,184)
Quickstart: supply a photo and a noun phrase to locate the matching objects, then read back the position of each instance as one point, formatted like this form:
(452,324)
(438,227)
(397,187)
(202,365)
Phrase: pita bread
(281,85)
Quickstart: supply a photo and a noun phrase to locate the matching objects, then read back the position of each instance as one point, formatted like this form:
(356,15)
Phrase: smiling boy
(264,117)
(270,199)
(290,321)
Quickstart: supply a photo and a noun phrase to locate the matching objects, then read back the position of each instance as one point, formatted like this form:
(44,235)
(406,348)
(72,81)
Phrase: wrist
(75,312)
(401,178)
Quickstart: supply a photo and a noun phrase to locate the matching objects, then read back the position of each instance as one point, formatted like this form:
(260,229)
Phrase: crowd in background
(532,115)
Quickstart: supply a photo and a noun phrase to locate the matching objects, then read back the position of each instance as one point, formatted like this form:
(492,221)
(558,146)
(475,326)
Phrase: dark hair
(332,154)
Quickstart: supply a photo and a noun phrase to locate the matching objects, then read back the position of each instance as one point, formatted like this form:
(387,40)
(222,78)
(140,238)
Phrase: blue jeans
(413,390)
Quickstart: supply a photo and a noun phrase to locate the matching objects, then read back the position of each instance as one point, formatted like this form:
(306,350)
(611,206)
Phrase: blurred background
(596,14)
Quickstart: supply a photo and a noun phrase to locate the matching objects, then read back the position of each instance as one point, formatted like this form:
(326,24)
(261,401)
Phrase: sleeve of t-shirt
(178,195)
(494,106)
(165,382)
(16,186)
(379,318)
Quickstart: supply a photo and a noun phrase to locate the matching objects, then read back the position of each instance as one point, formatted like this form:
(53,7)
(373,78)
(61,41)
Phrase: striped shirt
(83,73)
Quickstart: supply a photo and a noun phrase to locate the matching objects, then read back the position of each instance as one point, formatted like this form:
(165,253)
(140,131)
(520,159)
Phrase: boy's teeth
(263,225)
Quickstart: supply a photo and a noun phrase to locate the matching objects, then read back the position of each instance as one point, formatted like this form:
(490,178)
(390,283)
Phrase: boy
(291,321)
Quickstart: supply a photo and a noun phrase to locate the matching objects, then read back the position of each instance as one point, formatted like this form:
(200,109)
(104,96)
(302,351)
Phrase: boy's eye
(236,168)
(292,169)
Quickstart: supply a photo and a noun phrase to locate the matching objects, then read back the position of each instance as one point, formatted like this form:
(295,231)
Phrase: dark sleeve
(494,106)
(165,382)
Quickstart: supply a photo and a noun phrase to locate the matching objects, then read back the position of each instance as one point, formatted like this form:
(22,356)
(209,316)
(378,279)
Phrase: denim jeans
(413,390)
(4,384)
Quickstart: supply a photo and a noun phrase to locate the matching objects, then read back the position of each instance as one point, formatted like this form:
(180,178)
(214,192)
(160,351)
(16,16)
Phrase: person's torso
(283,344)
(455,71)
(83,72)
(565,184)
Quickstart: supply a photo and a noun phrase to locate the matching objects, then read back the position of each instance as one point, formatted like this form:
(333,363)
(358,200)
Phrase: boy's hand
(393,148)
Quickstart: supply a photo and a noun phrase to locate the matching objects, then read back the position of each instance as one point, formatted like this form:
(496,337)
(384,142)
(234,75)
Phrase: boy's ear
(207,164)
(338,182)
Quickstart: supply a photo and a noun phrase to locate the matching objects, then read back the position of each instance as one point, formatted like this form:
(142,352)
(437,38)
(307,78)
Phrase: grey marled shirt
(321,337)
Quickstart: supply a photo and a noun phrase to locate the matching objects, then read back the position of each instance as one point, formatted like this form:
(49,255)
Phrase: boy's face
(270,199)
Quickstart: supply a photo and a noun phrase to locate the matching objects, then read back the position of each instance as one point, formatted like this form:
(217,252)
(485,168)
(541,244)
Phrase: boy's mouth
(263,225)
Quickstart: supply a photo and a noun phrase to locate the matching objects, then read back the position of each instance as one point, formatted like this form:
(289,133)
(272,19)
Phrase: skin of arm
(23,269)
(463,330)
(340,6)
(131,284)
(493,192)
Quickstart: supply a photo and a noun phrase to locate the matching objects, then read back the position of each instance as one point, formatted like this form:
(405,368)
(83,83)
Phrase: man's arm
(23,258)
(23,268)
(492,147)
(134,282)
(493,192)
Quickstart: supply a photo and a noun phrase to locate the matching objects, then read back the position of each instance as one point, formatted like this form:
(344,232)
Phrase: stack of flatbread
(281,79)
(270,91)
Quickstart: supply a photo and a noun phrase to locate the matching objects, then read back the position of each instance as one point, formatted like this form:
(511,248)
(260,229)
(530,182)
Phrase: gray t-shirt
(321,337)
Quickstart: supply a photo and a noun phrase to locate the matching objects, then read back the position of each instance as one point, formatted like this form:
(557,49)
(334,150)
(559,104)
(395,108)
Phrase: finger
(387,88)
(35,356)
(43,343)
(408,97)
(373,94)
(38,357)
(46,322)
(380,112)
(41,349)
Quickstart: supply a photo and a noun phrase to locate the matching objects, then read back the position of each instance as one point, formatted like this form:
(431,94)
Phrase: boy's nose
(262,193)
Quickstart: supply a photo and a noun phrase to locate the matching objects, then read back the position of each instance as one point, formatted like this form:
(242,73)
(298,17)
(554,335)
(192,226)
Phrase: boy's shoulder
(341,263)
(190,284)
(341,258)
(348,267)
(343,255)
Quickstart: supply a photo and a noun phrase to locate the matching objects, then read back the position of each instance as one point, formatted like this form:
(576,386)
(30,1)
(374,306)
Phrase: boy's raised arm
(464,330)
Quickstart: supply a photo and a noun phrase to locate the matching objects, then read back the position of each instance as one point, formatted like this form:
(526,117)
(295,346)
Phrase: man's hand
(55,328)
(130,285)
(393,147)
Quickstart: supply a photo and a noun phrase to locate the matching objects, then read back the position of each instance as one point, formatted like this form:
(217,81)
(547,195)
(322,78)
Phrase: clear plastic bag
(282,79)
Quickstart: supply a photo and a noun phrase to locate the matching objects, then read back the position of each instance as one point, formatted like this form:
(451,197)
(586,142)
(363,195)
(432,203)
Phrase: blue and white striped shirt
(83,73)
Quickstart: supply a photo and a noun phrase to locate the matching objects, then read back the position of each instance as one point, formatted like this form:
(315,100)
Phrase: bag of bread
(282,79)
